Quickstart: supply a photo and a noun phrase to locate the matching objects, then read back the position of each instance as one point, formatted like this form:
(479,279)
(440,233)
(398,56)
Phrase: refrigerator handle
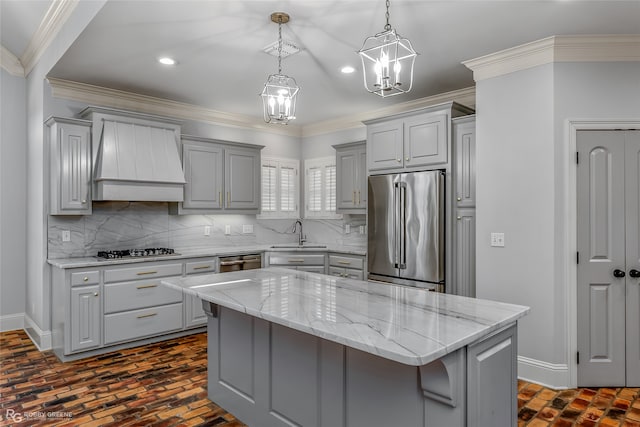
(403,225)
(396,231)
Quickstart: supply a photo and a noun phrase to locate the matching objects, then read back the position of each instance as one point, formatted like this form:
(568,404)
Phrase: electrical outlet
(207,230)
(66,235)
(362,229)
(227,230)
(497,239)
(347,228)
(247,229)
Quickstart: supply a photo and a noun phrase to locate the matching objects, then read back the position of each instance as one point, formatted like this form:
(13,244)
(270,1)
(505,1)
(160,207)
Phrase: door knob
(634,273)
(618,273)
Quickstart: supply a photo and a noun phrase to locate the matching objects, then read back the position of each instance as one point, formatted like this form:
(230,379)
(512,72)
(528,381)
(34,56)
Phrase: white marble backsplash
(126,225)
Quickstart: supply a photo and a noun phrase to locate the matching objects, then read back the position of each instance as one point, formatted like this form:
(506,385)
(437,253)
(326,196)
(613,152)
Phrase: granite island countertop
(408,325)
(81,262)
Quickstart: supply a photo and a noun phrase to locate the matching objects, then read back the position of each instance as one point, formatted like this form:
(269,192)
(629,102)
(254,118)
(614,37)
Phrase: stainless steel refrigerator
(405,219)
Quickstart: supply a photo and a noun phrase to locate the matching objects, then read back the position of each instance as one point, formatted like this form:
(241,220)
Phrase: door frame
(572,126)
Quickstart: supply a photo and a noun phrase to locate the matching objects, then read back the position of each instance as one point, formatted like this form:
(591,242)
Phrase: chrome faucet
(301,237)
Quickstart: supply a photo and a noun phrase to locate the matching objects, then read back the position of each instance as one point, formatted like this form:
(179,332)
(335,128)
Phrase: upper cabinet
(464,137)
(351,177)
(69,143)
(411,141)
(221,177)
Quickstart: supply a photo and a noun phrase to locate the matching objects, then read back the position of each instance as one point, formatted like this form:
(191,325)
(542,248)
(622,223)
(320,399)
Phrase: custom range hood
(135,156)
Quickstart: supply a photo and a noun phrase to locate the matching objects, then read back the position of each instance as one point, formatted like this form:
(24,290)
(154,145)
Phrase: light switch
(362,229)
(207,230)
(247,229)
(227,229)
(66,235)
(497,239)
(347,228)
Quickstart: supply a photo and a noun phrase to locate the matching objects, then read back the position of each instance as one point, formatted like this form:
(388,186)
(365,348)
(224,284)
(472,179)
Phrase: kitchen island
(292,348)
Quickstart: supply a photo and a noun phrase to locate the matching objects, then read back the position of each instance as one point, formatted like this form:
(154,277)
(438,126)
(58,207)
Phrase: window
(320,188)
(280,193)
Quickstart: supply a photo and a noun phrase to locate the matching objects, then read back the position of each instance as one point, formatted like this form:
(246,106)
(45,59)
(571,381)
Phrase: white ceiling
(218,45)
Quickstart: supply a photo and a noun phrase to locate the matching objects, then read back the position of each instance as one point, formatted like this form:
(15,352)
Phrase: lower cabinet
(465,257)
(95,309)
(350,266)
(86,319)
(312,262)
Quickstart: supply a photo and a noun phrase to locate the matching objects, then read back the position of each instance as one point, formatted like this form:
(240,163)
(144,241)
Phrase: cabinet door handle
(399,160)
(95,294)
(634,273)
(358,197)
(84,201)
(459,199)
(142,273)
(220,198)
(142,316)
(147,286)
(202,267)
(618,273)
(228,198)
(353,197)
(459,218)
(407,159)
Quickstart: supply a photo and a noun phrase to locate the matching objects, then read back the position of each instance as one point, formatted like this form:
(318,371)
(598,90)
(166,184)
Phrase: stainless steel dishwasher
(240,262)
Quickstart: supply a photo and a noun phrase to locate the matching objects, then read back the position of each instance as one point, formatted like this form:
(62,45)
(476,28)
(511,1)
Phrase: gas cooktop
(136,253)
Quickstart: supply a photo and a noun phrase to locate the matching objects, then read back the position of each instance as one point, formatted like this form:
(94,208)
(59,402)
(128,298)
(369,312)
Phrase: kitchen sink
(293,246)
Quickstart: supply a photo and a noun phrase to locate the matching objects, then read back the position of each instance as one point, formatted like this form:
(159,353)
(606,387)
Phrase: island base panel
(271,375)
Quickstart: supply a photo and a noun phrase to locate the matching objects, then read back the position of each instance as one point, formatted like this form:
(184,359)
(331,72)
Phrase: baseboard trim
(11,322)
(41,339)
(552,375)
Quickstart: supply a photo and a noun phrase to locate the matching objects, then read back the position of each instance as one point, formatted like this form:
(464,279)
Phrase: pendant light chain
(280,46)
(388,26)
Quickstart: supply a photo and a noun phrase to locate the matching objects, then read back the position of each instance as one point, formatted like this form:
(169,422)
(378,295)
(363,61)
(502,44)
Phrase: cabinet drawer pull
(147,286)
(344,262)
(459,218)
(219,198)
(142,273)
(296,260)
(202,267)
(399,160)
(407,159)
(85,279)
(142,316)
(84,201)
(228,198)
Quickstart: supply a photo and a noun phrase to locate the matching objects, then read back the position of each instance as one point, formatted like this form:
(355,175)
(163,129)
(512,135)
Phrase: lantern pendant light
(280,91)
(387,62)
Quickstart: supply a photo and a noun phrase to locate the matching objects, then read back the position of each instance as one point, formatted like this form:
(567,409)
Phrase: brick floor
(164,384)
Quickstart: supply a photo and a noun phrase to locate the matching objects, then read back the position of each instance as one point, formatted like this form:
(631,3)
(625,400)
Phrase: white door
(608,240)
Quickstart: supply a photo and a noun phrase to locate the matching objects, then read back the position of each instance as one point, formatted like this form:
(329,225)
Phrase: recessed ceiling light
(165,60)
(347,69)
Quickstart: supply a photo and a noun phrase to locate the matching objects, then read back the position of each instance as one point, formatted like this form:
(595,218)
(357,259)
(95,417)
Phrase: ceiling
(221,66)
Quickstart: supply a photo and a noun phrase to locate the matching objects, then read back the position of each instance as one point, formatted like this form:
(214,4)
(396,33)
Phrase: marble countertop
(408,325)
(80,262)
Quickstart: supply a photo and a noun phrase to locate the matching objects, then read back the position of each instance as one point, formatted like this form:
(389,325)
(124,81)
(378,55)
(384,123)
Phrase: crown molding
(588,48)
(106,97)
(466,96)
(10,62)
(55,18)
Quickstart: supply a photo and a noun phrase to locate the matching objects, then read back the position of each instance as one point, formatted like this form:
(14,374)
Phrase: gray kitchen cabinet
(202,164)
(415,140)
(242,178)
(193,311)
(492,380)
(351,266)
(69,143)
(464,137)
(465,252)
(85,318)
(313,262)
(221,177)
(351,177)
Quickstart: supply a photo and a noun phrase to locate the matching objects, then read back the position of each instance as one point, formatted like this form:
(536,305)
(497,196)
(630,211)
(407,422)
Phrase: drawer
(311,269)
(294,259)
(85,278)
(203,266)
(346,272)
(139,294)
(143,323)
(346,261)
(142,272)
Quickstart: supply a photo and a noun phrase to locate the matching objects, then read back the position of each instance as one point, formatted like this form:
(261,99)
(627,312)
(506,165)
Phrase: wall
(13,200)
(522,189)
(38,319)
